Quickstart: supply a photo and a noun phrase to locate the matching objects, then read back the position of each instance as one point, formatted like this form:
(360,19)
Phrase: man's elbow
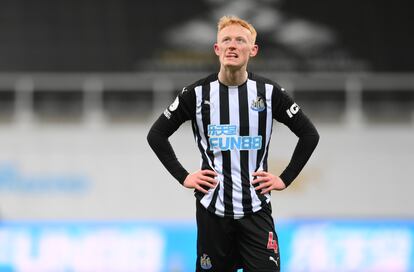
(312,138)
(151,138)
(315,138)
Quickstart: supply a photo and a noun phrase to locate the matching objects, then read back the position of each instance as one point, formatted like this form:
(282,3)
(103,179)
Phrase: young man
(232,114)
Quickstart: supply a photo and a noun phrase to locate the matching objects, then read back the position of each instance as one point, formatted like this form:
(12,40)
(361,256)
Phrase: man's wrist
(286,178)
(183,177)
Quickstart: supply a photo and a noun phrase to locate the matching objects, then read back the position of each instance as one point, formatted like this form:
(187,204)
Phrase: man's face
(235,46)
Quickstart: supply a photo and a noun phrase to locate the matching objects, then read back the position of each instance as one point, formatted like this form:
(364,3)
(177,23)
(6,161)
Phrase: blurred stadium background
(82,81)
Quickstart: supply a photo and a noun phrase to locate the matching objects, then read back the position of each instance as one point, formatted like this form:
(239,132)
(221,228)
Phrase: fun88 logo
(224,137)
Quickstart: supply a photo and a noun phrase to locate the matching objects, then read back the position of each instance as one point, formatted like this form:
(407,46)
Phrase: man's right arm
(168,122)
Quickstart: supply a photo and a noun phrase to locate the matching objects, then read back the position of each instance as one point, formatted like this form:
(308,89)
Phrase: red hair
(234,20)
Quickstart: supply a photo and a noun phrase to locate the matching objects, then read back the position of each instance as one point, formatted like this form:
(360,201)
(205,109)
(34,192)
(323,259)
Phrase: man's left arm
(286,111)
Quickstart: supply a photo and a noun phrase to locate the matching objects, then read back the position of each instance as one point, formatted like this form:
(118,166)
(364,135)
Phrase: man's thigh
(216,247)
(258,243)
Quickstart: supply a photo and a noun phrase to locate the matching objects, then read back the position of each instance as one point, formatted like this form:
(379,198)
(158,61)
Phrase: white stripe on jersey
(203,142)
(235,154)
(218,158)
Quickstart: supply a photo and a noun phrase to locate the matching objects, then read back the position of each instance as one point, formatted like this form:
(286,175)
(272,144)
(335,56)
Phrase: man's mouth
(231,55)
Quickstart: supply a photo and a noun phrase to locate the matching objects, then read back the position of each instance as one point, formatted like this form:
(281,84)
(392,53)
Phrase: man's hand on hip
(199,179)
(267,182)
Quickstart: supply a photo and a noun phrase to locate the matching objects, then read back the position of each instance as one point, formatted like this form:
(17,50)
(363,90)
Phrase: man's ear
(216,49)
(254,50)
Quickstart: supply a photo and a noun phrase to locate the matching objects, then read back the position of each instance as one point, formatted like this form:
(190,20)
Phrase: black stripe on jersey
(205,115)
(228,183)
(265,166)
(261,91)
(244,154)
(199,194)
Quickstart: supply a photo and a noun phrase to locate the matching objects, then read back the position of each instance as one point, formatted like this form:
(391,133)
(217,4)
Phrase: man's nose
(232,44)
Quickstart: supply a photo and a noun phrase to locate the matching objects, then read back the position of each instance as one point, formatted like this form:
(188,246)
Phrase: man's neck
(232,77)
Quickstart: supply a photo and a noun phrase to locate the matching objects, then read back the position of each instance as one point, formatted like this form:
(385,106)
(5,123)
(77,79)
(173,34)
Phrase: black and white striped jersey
(232,127)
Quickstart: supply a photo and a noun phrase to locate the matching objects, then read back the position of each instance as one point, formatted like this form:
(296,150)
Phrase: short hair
(234,20)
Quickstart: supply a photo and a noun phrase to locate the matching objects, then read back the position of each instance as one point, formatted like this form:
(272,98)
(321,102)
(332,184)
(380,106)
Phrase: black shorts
(226,244)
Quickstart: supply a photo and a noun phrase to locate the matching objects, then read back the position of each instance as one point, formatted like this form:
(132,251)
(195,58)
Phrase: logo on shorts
(205,262)
(258,104)
(273,260)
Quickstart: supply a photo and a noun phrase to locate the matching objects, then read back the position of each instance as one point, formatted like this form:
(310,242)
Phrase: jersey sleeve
(286,111)
(181,110)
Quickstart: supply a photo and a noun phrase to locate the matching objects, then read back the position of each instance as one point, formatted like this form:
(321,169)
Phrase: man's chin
(232,66)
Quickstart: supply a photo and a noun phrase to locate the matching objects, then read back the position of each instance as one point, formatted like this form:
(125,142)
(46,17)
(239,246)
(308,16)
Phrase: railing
(350,96)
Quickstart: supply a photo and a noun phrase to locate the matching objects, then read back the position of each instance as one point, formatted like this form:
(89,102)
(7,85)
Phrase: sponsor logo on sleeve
(292,110)
(174,104)
(171,108)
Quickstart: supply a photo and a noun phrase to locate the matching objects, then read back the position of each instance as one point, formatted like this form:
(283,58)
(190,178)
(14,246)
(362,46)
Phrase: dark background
(116,35)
